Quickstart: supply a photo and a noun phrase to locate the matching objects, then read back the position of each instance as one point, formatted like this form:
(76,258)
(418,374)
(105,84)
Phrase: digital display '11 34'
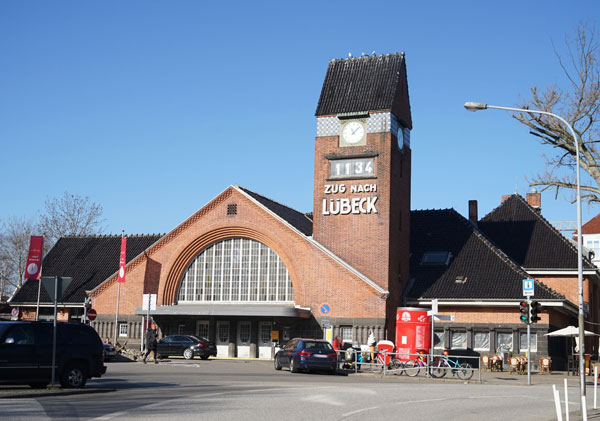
(358,167)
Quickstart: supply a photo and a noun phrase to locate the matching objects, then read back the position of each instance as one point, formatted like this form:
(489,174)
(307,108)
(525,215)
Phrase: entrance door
(222,339)
(264,340)
(243,340)
(202,329)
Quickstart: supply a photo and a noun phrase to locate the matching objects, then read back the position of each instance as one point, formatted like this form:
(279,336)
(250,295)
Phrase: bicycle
(412,368)
(464,371)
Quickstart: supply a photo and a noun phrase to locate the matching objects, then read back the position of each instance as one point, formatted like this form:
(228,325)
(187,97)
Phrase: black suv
(26,353)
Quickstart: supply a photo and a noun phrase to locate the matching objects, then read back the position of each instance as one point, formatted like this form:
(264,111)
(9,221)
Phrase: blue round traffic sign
(325,308)
(14,312)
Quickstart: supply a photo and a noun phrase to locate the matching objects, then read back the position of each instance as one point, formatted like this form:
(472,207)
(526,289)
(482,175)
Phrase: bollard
(557,403)
(566,401)
(595,385)
(583,408)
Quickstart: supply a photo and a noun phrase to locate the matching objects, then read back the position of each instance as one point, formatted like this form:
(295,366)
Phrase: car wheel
(74,376)
(205,357)
(188,353)
(293,367)
(277,364)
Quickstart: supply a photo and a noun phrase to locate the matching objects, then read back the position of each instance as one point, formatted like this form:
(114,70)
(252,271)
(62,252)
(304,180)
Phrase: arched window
(236,270)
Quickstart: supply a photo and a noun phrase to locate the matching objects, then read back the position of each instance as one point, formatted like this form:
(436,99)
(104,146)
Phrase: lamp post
(476,106)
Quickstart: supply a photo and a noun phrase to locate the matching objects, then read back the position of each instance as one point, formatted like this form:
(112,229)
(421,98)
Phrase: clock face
(353,132)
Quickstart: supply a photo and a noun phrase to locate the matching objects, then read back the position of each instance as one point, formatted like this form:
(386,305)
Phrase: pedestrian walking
(151,344)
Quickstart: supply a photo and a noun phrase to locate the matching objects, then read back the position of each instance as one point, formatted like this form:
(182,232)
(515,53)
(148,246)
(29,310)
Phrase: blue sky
(152,108)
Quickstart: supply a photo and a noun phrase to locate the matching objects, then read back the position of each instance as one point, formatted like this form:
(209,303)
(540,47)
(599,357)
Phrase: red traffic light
(524,311)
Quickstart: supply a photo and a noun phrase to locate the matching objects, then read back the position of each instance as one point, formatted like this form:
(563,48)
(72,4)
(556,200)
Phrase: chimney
(535,200)
(473,212)
(505,197)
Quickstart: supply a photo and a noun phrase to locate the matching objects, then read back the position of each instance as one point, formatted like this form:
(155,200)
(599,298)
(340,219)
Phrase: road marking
(358,411)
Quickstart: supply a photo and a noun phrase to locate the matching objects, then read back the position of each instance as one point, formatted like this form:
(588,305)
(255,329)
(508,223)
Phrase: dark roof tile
(301,221)
(371,83)
(489,273)
(527,237)
(88,260)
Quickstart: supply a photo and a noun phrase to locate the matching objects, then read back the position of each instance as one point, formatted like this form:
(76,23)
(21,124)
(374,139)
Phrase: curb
(51,392)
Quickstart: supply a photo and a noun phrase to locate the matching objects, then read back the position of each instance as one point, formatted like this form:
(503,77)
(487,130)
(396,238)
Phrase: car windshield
(199,339)
(317,346)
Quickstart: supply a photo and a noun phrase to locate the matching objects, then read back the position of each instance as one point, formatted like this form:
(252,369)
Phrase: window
(504,342)
(458,340)
(123,329)
(523,342)
(244,332)
(438,339)
(181,329)
(223,332)
(481,341)
(346,334)
(20,335)
(232,209)
(436,258)
(202,328)
(236,270)
(265,333)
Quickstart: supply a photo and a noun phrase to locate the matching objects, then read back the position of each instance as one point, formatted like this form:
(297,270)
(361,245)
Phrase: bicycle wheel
(439,369)
(412,368)
(397,366)
(465,372)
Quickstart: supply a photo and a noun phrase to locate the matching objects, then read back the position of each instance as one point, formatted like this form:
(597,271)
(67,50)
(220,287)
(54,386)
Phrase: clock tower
(362,170)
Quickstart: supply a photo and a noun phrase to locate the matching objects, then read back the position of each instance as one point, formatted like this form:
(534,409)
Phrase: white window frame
(463,344)
(442,337)
(123,329)
(523,342)
(347,334)
(476,348)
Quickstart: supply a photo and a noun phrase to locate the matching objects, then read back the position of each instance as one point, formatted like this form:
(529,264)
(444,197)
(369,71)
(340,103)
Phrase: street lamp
(476,106)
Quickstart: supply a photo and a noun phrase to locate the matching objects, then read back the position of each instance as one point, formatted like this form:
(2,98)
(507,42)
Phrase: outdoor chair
(485,363)
(546,365)
(514,365)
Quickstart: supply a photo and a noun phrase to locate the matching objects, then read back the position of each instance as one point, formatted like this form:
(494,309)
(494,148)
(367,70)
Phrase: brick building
(246,271)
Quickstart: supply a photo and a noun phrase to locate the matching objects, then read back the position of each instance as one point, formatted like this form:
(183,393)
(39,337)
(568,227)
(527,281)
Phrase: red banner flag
(33,268)
(122,260)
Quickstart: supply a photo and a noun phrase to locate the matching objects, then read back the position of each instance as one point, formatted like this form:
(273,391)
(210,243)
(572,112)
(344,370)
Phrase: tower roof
(368,83)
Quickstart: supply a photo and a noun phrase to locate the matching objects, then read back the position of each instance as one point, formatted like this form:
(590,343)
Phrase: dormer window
(436,258)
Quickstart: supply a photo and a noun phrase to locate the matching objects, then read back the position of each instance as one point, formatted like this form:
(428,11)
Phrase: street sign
(15,313)
(528,287)
(325,308)
(91,314)
(434,307)
(325,322)
(149,302)
(444,317)
(62,284)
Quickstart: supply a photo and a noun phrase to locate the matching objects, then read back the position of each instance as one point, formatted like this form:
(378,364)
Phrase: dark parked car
(186,346)
(26,353)
(307,354)
(110,352)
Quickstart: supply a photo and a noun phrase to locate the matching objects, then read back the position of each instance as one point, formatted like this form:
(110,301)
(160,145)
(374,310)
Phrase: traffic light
(524,311)
(534,310)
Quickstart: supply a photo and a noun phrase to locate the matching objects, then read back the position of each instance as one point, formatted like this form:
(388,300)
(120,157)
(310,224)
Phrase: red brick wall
(377,245)
(316,277)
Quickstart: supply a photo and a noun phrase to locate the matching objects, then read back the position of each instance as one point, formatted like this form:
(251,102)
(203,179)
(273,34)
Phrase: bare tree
(70,214)
(579,105)
(14,245)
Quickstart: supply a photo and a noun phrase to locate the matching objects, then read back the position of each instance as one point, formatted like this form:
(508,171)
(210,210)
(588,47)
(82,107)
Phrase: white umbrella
(571,331)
